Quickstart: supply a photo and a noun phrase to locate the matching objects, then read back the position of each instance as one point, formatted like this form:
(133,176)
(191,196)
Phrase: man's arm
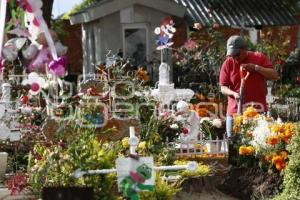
(228,92)
(268,73)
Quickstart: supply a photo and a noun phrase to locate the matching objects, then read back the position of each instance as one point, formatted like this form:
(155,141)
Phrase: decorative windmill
(166,92)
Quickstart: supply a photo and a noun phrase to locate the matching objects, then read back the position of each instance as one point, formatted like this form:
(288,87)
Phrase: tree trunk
(47,10)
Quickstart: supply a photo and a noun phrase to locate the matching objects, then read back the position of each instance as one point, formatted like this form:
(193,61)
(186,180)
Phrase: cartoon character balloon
(165,33)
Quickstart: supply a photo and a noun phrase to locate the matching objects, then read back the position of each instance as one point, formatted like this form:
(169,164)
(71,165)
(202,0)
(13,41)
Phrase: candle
(131,131)
(2,22)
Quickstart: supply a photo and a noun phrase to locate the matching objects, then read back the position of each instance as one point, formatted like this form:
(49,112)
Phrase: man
(260,69)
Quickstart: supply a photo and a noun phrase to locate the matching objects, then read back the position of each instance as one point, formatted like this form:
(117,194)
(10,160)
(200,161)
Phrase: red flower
(24,99)
(185,131)
(280,62)
(298,79)
(17,183)
(190,44)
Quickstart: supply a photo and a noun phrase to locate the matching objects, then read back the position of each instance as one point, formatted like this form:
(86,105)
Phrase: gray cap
(234,44)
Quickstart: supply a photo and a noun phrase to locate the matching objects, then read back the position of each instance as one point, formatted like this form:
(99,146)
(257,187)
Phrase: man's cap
(234,44)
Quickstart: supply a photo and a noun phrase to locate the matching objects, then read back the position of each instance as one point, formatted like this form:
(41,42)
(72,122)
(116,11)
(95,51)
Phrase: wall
(110,36)
(73,42)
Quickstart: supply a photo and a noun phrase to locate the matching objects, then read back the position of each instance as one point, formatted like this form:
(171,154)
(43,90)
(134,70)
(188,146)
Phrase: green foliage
(76,8)
(53,165)
(59,27)
(200,58)
(162,191)
(291,183)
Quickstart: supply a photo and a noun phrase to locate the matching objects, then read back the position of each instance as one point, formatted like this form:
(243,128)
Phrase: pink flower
(190,44)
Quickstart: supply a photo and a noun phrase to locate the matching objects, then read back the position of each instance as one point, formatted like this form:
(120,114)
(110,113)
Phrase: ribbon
(3,6)
(32,7)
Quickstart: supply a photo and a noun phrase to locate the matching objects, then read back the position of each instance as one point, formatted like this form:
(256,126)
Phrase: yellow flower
(276,128)
(142,145)
(250,150)
(125,143)
(246,150)
(250,112)
(157,137)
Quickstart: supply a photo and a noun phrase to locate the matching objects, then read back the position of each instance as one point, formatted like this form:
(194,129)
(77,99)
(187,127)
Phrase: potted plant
(212,130)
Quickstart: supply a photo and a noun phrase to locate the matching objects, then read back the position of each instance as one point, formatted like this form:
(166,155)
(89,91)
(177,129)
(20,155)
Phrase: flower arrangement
(262,140)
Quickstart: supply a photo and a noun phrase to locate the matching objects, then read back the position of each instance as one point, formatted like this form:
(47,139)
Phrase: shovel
(244,76)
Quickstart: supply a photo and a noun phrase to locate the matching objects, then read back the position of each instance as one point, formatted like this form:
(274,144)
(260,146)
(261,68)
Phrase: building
(127,26)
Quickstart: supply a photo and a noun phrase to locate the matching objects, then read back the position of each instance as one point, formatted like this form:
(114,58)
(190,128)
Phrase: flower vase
(3,165)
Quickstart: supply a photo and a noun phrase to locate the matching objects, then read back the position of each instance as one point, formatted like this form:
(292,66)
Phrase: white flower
(217,123)
(204,119)
(138,94)
(174,126)
(36,83)
(260,134)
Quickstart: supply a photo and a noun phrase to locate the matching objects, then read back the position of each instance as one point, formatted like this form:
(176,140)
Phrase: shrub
(291,183)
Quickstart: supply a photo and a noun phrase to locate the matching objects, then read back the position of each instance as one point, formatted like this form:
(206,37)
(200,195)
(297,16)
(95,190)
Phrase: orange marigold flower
(277,159)
(246,150)
(243,150)
(250,112)
(276,128)
(285,138)
(273,140)
(250,150)
(280,166)
(268,157)
(142,75)
(288,133)
(284,154)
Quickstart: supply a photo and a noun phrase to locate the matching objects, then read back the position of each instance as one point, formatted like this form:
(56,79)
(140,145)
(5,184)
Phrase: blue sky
(62,6)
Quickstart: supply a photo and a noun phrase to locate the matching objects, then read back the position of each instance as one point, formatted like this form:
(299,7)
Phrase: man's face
(240,56)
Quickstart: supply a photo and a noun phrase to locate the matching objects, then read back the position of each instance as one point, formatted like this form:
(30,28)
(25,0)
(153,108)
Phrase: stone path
(5,195)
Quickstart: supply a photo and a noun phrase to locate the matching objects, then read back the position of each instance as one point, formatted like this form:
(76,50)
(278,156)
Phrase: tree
(47,10)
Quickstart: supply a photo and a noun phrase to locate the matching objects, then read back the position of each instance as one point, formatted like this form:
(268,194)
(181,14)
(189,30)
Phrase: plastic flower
(36,83)
(217,123)
(174,126)
(125,142)
(185,131)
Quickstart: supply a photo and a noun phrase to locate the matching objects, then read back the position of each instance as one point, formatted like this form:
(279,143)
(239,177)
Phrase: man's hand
(248,67)
(236,96)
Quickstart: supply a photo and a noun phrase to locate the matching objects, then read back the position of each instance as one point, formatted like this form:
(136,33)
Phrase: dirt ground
(216,195)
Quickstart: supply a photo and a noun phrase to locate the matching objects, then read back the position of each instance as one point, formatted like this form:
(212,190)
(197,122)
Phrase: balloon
(30,52)
(10,52)
(39,63)
(41,39)
(61,49)
(57,67)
